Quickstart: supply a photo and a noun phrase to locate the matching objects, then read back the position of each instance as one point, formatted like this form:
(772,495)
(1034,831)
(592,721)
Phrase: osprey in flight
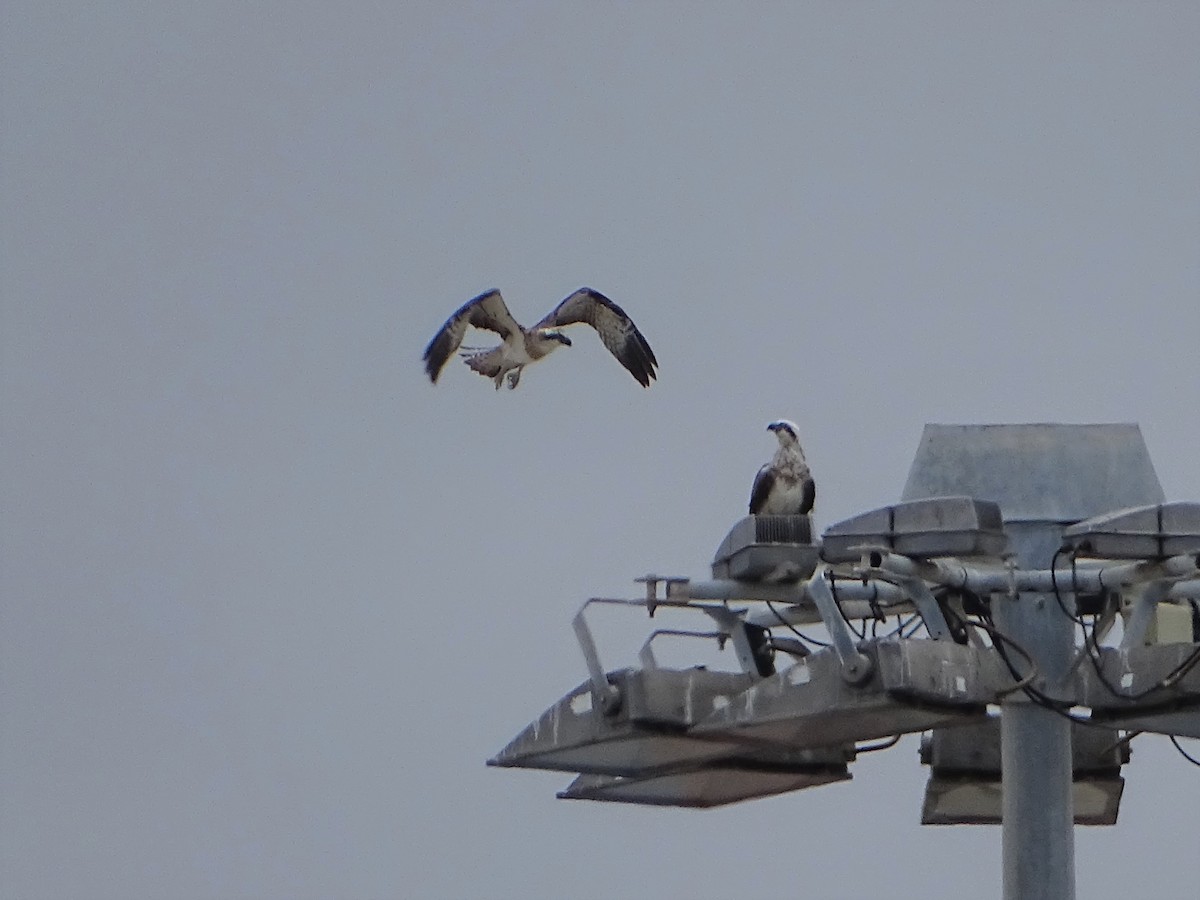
(523,346)
(784,486)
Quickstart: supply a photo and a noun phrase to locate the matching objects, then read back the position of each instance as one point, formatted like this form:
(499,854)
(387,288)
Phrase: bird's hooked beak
(783,428)
(562,337)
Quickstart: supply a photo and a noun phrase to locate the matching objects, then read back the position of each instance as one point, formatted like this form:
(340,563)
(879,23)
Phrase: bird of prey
(521,346)
(784,486)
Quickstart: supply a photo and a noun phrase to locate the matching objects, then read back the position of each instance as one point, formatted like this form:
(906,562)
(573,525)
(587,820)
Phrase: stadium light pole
(1045,477)
(985,514)
(1037,837)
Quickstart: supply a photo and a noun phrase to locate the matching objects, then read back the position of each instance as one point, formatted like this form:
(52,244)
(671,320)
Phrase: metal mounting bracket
(856,666)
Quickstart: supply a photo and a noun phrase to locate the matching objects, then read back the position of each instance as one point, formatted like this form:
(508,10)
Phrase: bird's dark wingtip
(432,367)
(642,373)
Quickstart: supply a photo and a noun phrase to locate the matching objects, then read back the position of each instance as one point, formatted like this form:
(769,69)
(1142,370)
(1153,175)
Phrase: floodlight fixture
(718,783)
(772,549)
(1156,531)
(976,800)
(646,733)
(914,685)
(925,528)
(965,784)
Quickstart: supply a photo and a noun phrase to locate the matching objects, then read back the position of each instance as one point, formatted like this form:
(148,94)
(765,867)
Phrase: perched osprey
(523,346)
(784,486)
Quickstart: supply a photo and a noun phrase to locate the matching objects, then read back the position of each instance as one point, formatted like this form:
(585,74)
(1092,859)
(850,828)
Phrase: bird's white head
(786,431)
(553,334)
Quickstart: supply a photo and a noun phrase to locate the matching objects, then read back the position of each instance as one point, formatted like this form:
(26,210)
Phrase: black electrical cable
(861,635)
(784,622)
(1182,752)
(1091,644)
(1179,671)
(877,615)
(882,745)
(1074,617)
(998,639)
(917,626)
(1058,707)
(902,623)
(1163,684)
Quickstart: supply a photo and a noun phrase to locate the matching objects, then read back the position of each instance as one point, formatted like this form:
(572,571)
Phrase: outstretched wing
(616,330)
(485,311)
(763,482)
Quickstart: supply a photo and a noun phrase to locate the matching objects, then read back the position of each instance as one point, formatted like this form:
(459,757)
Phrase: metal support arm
(982,581)
(856,667)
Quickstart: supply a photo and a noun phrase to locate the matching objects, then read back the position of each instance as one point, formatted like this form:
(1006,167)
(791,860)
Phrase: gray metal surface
(1046,472)
(940,673)
(1086,579)
(715,784)
(1179,722)
(1153,688)
(767,548)
(1046,476)
(926,603)
(811,704)
(965,779)
(1157,531)
(928,527)
(855,666)
(976,748)
(1144,604)
(645,734)
(791,594)
(968,799)
(1037,841)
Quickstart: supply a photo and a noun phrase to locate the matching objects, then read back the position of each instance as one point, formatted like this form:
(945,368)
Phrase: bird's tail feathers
(486,363)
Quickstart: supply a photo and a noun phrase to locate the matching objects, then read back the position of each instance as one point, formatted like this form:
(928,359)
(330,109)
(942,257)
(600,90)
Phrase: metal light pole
(1038,844)
(1044,477)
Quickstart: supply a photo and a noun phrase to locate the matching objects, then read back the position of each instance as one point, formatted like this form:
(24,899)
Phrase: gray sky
(270,600)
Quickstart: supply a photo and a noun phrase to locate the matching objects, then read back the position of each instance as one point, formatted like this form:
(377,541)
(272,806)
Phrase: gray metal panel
(713,785)
(645,734)
(941,673)
(930,527)
(969,800)
(975,750)
(772,548)
(1053,472)
(964,788)
(1182,723)
(1128,694)
(1148,532)
(810,704)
